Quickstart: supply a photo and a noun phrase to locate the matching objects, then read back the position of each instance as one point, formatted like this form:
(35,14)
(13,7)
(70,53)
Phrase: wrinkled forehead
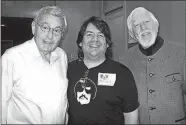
(50,19)
(140,16)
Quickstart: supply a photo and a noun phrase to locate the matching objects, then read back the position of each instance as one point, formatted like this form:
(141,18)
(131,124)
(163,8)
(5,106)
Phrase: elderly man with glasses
(34,82)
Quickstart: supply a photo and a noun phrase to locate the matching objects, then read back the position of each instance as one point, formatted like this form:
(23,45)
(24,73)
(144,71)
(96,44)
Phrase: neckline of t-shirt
(99,66)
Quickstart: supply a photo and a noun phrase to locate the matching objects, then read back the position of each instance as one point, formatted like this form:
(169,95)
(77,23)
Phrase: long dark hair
(103,27)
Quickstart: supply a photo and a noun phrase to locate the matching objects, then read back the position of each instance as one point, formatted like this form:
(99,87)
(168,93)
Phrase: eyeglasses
(46,28)
(91,35)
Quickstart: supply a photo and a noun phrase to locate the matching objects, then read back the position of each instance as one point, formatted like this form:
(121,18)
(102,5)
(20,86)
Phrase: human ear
(33,27)
(80,44)
(107,46)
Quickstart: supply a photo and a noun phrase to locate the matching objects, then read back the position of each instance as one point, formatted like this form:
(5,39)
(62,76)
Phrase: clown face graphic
(85,90)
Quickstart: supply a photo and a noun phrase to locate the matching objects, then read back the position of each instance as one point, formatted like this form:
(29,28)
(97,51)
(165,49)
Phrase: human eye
(136,25)
(101,35)
(57,31)
(89,34)
(45,27)
(147,21)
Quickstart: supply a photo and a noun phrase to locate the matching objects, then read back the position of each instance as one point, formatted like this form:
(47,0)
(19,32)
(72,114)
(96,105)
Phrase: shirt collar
(36,54)
(154,48)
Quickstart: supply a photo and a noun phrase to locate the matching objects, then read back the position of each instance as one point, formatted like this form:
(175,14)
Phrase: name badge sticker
(106,79)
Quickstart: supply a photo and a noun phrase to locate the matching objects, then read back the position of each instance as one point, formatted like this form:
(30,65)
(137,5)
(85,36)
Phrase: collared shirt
(159,76)
(34,91)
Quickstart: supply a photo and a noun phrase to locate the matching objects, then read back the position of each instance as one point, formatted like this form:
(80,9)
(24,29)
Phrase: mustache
(147,31)
(83,96)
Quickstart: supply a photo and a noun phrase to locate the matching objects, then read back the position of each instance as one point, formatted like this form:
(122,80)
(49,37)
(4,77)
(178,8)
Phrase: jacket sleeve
(7,82)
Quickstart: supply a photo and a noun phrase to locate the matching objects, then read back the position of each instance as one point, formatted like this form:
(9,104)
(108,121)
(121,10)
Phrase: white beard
(147,39)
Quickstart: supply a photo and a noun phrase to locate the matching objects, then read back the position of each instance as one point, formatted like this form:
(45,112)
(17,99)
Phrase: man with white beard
(158,68)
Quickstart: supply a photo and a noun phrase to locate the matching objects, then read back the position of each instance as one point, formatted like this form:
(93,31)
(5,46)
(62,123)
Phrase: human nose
(50,33)
(142,26)
(95,37)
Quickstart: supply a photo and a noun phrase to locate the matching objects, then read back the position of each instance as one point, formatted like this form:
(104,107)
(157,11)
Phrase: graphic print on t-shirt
(85,90)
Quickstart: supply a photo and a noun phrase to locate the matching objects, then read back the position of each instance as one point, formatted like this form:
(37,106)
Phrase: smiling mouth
(93,46)
(47,42)
(145,33)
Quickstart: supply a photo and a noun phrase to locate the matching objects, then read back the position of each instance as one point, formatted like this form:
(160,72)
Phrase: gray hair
(53,10)
(130,19)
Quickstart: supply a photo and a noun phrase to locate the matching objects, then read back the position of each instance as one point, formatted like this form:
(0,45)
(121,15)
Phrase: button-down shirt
(159,76)
(33,90)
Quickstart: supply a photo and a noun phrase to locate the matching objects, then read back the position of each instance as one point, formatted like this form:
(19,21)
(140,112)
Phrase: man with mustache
(158,68)
(85,90)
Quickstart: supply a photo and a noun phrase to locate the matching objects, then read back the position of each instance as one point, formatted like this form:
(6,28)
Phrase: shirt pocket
(174,77)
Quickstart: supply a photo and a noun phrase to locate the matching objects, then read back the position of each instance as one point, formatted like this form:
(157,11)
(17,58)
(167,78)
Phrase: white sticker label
(106,79)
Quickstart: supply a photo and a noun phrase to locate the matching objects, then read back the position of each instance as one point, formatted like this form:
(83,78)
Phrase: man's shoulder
(75,66)
(75,62)
(174,44)
(16,50)
(60,51)
(117,65)
(133,49)
(121,70)
(174,48)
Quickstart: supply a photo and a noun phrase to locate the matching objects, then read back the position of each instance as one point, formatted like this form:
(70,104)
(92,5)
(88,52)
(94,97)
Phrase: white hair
(130,19)
(53,10)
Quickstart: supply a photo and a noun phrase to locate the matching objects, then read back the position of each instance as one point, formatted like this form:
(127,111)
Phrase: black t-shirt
(102,94)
